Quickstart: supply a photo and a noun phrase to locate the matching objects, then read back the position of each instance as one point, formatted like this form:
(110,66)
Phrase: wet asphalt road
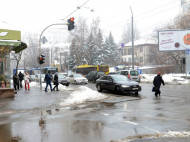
(38,117)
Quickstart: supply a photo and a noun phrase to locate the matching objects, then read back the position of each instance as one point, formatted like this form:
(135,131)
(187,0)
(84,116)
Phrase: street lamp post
(132,38)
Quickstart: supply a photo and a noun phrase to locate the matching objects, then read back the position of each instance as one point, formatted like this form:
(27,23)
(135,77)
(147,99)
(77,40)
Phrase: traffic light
(71,23)
(183,60)
(42,59)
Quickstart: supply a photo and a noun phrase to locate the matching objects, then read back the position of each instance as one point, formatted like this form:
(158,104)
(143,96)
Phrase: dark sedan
(117,83)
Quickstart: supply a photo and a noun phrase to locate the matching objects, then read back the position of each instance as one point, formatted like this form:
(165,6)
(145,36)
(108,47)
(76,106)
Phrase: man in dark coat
(56,82)
(157,83)
(21,78)
(16,81)
(48,81)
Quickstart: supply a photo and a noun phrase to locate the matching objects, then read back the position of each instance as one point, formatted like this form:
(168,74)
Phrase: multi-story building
(142,52)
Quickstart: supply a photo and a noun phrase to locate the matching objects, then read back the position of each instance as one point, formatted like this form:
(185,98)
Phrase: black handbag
(153,89)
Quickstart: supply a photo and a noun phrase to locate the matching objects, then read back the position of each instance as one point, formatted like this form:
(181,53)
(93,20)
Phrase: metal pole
(132,38)
(40,52)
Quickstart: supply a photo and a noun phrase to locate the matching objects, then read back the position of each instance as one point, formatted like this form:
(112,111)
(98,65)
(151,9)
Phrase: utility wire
(142,14)
(75,10)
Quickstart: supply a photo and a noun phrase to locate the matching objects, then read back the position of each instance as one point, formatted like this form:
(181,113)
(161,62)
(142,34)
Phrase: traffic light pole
(40,51)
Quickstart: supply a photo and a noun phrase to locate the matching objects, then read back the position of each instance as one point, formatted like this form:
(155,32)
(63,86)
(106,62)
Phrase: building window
(141,59)
(141,49)
(129,51)
(129,60)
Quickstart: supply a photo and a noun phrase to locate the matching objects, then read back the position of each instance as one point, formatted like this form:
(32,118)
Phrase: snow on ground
(84,94)
(175,134)
(168,78)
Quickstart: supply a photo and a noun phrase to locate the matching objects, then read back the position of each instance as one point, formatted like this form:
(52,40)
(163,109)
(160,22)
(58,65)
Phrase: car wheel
(117,89)
(67,84)
(99,88)
(75,82)
(136,93)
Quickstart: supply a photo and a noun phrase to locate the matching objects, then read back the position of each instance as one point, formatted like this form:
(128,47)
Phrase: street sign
(44,40)
(122,44)
(187,51)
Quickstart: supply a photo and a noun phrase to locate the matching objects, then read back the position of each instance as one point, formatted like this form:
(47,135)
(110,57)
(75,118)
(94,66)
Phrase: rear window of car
(124,72)
(135,73)
(101,73)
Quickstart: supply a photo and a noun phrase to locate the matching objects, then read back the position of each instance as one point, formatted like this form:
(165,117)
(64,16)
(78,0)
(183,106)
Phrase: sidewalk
(33,99)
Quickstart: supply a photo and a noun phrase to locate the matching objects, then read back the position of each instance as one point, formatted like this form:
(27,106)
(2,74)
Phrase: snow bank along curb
(174,134)
(168,78)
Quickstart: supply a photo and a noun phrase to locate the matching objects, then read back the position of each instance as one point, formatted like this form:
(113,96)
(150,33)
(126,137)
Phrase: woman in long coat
(56,82)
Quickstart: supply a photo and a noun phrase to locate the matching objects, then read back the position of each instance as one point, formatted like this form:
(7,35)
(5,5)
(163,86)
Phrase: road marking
(104,114)
(130,122)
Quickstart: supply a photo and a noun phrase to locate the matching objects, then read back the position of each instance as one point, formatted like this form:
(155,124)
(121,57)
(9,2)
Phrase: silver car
(77,79)
(131,74)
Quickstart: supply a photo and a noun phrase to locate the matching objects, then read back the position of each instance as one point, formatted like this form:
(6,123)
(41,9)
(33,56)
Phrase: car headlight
(125,86)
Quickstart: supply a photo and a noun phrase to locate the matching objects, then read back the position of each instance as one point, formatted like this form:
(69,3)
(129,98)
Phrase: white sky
(35,15)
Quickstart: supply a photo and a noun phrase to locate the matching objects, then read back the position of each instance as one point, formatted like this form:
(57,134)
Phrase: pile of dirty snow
(82,95)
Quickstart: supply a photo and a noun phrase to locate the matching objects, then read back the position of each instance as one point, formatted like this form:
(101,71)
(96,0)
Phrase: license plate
(134,88)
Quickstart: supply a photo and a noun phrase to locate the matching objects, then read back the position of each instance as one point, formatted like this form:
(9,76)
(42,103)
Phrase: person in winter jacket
(16,81)
(48,79)
(157,83)
(56,81)
(27,81)
(21,78)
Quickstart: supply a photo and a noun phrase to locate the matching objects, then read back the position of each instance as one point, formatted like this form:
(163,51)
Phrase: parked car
(63,80)
(42,78)
(131,74)
(117,83)
(77,78)
(113,73)
(94,75)
(32,78)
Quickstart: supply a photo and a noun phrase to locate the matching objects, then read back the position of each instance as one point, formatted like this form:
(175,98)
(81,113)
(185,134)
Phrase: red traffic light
(72,19)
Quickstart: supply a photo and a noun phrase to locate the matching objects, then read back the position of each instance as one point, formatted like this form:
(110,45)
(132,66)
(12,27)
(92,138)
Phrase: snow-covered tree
(110,51)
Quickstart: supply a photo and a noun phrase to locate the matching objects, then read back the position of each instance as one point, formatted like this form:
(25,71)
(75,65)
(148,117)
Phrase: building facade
(142,52)
(10,40)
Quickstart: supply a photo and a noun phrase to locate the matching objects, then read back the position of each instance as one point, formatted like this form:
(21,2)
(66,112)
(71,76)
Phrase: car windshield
(61,77)
(120,78)
(135,73)
(77,75)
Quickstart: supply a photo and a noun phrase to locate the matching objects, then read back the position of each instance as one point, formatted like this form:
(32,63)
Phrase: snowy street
(80,113)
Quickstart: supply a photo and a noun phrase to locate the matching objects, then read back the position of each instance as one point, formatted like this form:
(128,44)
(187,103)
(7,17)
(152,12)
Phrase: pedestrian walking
(27,81)
(21,78)
(56,81)
(16,81)
(48,80)
(157,84)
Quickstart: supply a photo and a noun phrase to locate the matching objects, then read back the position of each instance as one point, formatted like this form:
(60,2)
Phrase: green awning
(19,48)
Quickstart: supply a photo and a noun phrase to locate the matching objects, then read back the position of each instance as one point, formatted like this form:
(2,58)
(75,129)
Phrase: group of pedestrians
(49,78)
(18,78)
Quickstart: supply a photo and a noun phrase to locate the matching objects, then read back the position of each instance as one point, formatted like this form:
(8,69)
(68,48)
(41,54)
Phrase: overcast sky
(35,15)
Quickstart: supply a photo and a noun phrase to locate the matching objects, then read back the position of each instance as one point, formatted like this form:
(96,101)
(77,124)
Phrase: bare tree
(127,35)
(16,57)
(32,52)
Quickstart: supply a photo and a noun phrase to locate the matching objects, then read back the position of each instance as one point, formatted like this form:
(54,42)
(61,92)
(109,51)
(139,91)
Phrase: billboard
(173,40)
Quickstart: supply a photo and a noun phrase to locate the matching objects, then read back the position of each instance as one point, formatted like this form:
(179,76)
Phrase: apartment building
(142,52)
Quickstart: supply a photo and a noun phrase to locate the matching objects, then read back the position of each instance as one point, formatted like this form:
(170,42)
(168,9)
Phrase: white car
(77,78)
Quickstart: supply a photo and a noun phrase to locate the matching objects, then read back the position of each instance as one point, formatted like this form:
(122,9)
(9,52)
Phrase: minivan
(131,74)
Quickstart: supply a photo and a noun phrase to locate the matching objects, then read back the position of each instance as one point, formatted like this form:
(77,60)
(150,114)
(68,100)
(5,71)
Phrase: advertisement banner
(174,40)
